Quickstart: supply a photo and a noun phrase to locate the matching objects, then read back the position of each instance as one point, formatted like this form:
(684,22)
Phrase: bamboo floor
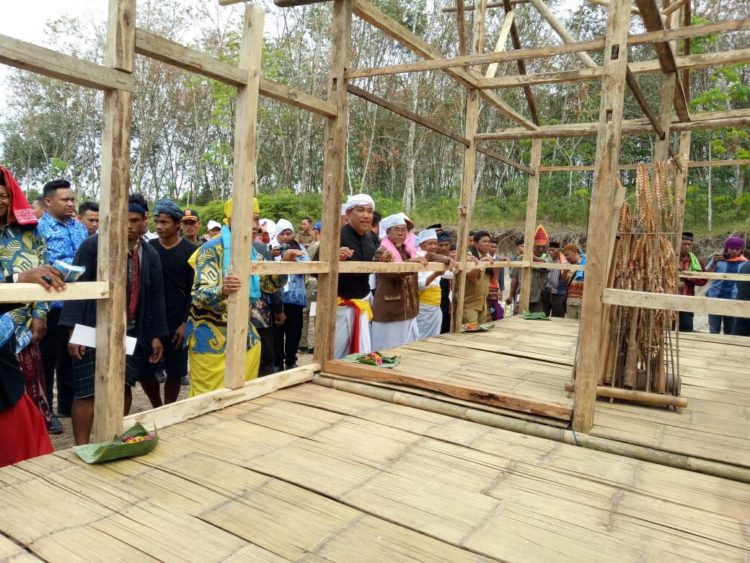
(311,473)
(534,359)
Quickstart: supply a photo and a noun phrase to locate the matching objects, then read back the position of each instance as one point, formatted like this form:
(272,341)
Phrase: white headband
(358,200)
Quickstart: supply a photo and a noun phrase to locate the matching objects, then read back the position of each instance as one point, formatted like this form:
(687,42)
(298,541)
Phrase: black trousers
(266,351)
(56,360)
(286,338)
(686,321)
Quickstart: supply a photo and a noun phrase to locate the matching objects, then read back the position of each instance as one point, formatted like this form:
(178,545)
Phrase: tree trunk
(411,155)
(710,218)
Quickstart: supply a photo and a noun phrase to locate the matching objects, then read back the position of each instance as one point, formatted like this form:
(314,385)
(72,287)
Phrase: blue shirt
(63,240)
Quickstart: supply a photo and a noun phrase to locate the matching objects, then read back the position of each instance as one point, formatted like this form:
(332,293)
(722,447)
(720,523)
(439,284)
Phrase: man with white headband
(358,244)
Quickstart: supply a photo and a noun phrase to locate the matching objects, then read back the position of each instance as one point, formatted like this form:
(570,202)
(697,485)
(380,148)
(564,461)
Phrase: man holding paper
(146,315)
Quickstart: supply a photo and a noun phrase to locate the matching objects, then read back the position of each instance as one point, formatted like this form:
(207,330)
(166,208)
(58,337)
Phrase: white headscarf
(283,225)
(394,220)
(425,235)
(357,200)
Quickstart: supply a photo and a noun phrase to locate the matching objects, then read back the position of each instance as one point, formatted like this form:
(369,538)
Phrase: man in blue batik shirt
(63,235)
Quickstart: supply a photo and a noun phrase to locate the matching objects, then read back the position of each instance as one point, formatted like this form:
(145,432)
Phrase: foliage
(183,124)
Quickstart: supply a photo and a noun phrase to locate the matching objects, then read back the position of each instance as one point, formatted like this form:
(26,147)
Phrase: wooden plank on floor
(520,403)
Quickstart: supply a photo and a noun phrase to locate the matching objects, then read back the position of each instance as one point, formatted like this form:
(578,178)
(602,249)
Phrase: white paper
(86,336)
(313,308)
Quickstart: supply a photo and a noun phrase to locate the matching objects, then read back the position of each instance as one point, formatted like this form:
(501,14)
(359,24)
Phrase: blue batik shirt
(62,238)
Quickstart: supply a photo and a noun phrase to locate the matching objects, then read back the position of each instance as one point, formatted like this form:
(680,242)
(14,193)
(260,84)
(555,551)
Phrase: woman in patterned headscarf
(22,248)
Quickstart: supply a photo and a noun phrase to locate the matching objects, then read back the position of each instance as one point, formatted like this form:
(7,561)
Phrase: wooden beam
(709,120)
(532,202)
(506,160)
(502,40)
(605,4)
(652,19)
(27,56)
(369,13)
(28,292)
(509,401)
(294,3)
(461,25)
(519,80)
(243,192)
(489,6)
(588,62)
(516,40)
(663,147)
(434,63)
(673,7)
(112,251)
(692,61)
(605,175)
(689,31)
(713,276)
(297,98)
(333,177)
(406,113)
(213,401)
(166,51)
(690,164)
(656,399)
(668,302)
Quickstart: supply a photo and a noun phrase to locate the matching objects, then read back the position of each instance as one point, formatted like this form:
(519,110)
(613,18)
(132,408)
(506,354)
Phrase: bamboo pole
(112,251)
(243,191)
(607,152)
(656,399)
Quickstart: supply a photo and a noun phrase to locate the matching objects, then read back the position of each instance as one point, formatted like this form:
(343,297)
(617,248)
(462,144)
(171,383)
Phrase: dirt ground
(140,404)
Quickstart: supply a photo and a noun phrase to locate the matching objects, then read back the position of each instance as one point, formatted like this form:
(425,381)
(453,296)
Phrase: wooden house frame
(115,78)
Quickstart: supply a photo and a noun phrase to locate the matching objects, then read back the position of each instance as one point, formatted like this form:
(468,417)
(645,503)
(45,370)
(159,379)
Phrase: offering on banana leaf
(134,442)
(374,359)
(476,327)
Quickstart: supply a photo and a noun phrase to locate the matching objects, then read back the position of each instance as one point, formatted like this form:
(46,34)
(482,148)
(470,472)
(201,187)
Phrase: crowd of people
(178,284)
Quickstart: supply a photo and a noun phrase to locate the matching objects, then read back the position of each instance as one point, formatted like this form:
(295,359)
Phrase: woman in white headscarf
(287,336)
(396,303)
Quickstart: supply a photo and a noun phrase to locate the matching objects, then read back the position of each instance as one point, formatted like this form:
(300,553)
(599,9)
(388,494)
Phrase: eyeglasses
(187,222)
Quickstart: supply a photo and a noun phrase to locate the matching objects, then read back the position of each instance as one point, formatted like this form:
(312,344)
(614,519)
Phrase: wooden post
(243,191)
(333,179)
(666,105)
(605,174)
(467,179)
(109,386)
(680,189)
(532,202)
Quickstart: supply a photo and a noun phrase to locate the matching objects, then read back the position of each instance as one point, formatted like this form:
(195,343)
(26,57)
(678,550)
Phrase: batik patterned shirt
(63,240)
(21,249)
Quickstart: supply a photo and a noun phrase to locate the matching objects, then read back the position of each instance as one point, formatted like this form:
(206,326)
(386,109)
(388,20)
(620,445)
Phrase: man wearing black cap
(688,263)
(174,253)
(191,224)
